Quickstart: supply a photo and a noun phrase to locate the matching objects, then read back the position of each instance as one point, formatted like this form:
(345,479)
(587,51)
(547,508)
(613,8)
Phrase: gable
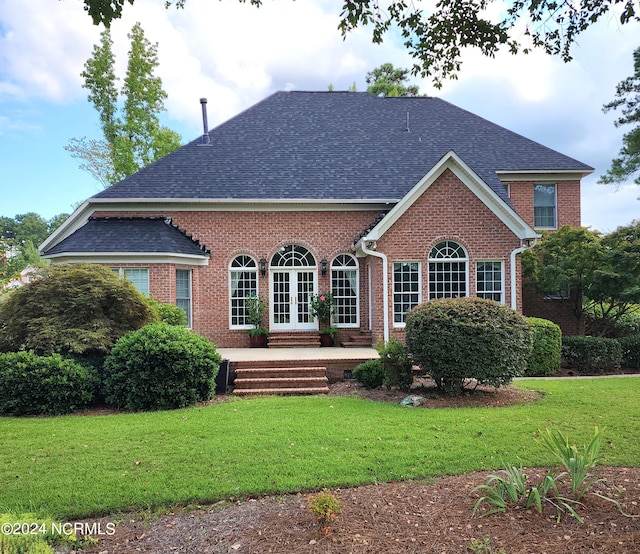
(452,162)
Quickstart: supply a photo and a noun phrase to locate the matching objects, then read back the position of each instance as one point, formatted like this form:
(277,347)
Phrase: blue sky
(235,55)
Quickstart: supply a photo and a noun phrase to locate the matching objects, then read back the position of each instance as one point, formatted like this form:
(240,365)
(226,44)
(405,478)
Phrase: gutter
(526,244)
(385,285)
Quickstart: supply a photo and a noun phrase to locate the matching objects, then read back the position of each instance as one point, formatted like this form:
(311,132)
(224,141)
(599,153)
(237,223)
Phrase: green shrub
(38,385)
(72,309)
(160,367)
(630,351)
(591,354)
(370,373)
(547,347)
(601,324)
(397,364)
(168,313)
(459,339)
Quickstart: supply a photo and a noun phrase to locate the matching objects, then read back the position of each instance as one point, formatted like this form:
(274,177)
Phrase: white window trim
(402,324)
(555,214)
(246,326)
(355,325)
(190,314)
(502,280)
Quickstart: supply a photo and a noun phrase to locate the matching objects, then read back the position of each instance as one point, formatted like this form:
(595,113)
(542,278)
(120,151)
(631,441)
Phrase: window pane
(489,281)
(243,282)
(139,277)
(406,286)
(183,292)
(544,206)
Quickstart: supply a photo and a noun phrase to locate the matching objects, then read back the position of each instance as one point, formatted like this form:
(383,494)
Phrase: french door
(291,292)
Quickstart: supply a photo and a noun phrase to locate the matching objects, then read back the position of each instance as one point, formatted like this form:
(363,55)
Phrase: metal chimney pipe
(205,124)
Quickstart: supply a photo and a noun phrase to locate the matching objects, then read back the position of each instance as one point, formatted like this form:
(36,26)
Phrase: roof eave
(128,258)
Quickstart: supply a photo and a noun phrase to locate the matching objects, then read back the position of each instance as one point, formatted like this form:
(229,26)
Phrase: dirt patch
(389,518)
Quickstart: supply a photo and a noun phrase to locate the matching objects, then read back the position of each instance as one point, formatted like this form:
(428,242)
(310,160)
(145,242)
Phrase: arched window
(447,270)
(243,282)
(344,288)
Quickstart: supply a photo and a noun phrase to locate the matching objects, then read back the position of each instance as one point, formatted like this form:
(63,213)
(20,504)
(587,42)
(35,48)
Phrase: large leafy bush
(547,347)
(72,309)
(591,354)
(38,385)
(630,351)
(168,313)
(456,340)
(160,367)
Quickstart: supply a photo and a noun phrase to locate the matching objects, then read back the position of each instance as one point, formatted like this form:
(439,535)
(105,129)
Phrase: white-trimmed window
(447,270)
(139,276)
(545,206)
(407,287)
(344,288)
(490,281)
(243,282)
(183,292)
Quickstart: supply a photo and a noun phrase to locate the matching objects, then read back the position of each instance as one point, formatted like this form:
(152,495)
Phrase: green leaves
(133,136)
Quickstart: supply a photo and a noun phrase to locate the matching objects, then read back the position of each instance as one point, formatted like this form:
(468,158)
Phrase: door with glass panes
(293,278)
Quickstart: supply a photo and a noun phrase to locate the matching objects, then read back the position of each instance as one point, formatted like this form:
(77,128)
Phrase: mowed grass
(71,467)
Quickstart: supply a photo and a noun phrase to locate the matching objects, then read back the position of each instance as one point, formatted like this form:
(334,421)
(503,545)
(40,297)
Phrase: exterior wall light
(263,266)
(324,266)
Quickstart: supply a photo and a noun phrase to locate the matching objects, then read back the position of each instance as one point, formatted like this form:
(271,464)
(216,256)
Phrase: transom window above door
(293,255)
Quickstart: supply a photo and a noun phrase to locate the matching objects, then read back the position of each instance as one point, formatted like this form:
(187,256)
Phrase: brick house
(386,202)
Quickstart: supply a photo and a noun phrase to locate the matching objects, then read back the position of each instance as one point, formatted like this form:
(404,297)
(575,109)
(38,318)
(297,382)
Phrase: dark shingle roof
(129,235)
(336,145)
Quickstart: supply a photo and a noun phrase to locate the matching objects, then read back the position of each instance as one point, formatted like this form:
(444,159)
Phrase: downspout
(527,243)
(385,286)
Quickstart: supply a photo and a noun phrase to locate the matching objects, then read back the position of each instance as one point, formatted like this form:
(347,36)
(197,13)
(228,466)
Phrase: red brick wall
(568,199)
(448,210)
(258,234)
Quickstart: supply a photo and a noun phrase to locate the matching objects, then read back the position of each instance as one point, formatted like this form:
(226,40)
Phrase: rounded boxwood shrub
(547,347)
(160,367)
(455,340)
(397,364)
(591,355)
(370,373)
(630,351)
(44,385)
(168,313)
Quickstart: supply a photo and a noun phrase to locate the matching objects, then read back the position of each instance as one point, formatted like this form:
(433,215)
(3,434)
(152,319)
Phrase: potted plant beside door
(256,308)
(321,306)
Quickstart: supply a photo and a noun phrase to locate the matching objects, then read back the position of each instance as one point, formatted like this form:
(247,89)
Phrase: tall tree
(436,39)
(600,272)
(386,80)
(628,100)
(132,134)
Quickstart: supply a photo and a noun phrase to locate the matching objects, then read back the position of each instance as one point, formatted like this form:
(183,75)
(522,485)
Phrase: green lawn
(69,467)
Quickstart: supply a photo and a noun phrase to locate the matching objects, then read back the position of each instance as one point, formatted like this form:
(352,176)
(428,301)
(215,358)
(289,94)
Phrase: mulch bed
(406,517)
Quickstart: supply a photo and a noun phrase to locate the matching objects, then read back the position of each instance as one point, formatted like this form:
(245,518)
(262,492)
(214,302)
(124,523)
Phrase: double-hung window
(545,206)
(406,290)
(183,292)
(139,276)
(447,270)
(243,280)
(490,281)
(344,288)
